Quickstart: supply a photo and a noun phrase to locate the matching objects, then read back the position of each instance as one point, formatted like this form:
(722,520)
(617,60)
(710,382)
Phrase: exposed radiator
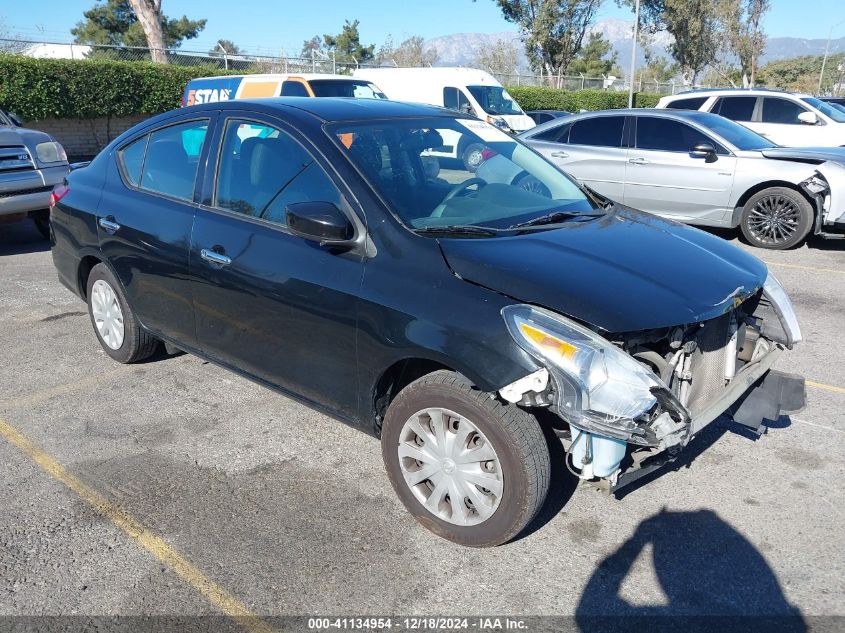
(708,363)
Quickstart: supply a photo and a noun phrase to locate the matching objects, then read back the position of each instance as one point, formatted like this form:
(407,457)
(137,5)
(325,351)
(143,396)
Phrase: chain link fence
(316,63)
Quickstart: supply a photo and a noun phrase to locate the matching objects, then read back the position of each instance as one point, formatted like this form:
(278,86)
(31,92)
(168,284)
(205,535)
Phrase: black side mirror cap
(703,150)
(321,222)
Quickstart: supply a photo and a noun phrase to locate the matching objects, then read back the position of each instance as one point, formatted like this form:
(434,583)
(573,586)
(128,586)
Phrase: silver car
(698,168)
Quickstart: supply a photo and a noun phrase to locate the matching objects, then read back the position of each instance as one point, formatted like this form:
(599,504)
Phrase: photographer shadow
(712,577)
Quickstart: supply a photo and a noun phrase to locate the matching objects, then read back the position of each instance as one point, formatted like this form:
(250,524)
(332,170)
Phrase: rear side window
(693,103)
(777,110)
(132,159)
(735,108)
(654,133)
(600,131)
(262,170)
(171,159)
(294,89)
(556,134)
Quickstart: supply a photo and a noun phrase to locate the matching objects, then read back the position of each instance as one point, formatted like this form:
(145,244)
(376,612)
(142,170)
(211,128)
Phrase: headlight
(499,123)
(777,296)
(599,384)
(50,152)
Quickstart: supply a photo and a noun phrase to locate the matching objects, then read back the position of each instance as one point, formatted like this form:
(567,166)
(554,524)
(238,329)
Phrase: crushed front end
(631,402)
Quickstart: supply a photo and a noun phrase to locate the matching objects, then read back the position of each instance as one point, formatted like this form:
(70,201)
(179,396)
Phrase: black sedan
(321,248)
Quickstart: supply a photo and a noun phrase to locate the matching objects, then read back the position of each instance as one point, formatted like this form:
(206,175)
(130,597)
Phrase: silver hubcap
(108,317)
(774,219)
(450,466)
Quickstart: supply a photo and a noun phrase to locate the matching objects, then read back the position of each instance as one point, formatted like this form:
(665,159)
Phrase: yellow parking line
(841,271)
(821,385)
(155,545)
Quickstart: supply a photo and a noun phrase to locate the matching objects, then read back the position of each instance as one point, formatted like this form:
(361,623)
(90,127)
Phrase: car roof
(280,76)
(752,92)
(334,108)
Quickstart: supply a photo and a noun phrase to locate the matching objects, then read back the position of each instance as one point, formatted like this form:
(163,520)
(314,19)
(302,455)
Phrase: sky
(269,26)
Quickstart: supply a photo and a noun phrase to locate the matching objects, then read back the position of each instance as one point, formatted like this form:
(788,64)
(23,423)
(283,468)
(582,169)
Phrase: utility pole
(826,51)
(634,54)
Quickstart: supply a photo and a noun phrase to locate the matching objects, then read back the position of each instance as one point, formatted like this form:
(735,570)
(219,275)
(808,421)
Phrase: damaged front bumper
(827,188)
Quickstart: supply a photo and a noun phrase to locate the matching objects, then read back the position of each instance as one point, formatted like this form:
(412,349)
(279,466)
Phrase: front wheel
(473,156)
(468,467)
(776,218)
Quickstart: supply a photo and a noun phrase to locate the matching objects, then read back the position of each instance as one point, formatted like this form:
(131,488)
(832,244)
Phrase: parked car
(785,118)
(544,116)
(699,168)
(460,321)
(464,90)
(833,100)
(31,163)
(227,87)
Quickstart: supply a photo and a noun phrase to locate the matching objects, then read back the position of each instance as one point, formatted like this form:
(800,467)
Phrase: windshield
(826,109)
(444,172)
(737,135)
(495,100)
(345,88)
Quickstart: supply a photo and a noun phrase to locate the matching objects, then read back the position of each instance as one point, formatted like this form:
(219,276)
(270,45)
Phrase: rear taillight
(59,192)
(487,154)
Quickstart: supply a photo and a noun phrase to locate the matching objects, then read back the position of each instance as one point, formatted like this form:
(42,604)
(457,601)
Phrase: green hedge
(543,98)
(60,88)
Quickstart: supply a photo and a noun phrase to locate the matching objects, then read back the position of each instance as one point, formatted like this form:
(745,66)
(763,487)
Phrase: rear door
(591,149)
(279,307)
(662,176)
(741,109)
(145,217)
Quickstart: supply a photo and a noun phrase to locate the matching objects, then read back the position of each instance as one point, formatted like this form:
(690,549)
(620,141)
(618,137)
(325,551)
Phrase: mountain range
(461,49)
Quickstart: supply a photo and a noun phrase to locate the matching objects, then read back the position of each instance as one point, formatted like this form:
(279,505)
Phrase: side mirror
(808,118)
(15,119)
(321,222)
(703,150)
(466,108)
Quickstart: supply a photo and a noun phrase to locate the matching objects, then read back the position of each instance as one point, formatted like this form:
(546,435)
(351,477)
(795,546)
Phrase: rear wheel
(468,467)
(114,323)
(776,218)
(472,156)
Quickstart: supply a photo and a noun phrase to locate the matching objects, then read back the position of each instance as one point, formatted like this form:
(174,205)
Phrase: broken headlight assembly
(599,387)
(777,297)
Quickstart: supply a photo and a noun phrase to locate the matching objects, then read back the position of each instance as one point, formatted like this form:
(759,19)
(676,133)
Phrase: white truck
(463,89)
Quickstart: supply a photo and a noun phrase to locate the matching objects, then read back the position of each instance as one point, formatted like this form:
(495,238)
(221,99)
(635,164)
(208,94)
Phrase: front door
(272,304)
(144,221)
(780,124)
(663,177)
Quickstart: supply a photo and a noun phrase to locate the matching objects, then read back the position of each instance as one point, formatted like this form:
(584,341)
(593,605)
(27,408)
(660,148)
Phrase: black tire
(515,435)
(42,222)
(776,218)
(137,344)
(471,156)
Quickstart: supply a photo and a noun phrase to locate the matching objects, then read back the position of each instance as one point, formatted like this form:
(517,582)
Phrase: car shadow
(711,577)
(21,238)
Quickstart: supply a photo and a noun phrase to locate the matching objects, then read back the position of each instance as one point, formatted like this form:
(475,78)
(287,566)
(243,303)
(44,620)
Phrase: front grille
(23,192)
(15,158)
(708,363)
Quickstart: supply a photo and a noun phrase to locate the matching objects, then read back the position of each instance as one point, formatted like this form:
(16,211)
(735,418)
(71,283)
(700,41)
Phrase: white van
(464,89)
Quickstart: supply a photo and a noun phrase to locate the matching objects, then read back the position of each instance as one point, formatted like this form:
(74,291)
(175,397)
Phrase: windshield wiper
(553,218)
(459,229)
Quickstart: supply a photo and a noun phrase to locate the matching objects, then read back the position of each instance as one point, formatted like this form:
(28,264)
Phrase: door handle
(108,225)
(638,161)
(215,258)
(560,154)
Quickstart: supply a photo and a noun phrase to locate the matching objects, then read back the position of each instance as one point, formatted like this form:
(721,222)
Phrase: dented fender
(833,203)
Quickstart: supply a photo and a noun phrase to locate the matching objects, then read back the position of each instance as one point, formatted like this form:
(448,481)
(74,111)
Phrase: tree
(119,23)
(658,69)
(313,47)
(410,53)
(742,32)
(347,46)
(552,30)
(596,58)
(801,74)
(502,58)
(228,46)
(692,23)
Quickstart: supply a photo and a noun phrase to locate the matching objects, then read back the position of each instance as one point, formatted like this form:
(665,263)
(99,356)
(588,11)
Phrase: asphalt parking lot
(176,487)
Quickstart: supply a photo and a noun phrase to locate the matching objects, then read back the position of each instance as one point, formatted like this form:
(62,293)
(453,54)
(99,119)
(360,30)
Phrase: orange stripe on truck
(253,89)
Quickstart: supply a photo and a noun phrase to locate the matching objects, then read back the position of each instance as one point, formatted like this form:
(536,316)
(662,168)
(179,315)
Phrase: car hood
(623,272)
(814,154)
